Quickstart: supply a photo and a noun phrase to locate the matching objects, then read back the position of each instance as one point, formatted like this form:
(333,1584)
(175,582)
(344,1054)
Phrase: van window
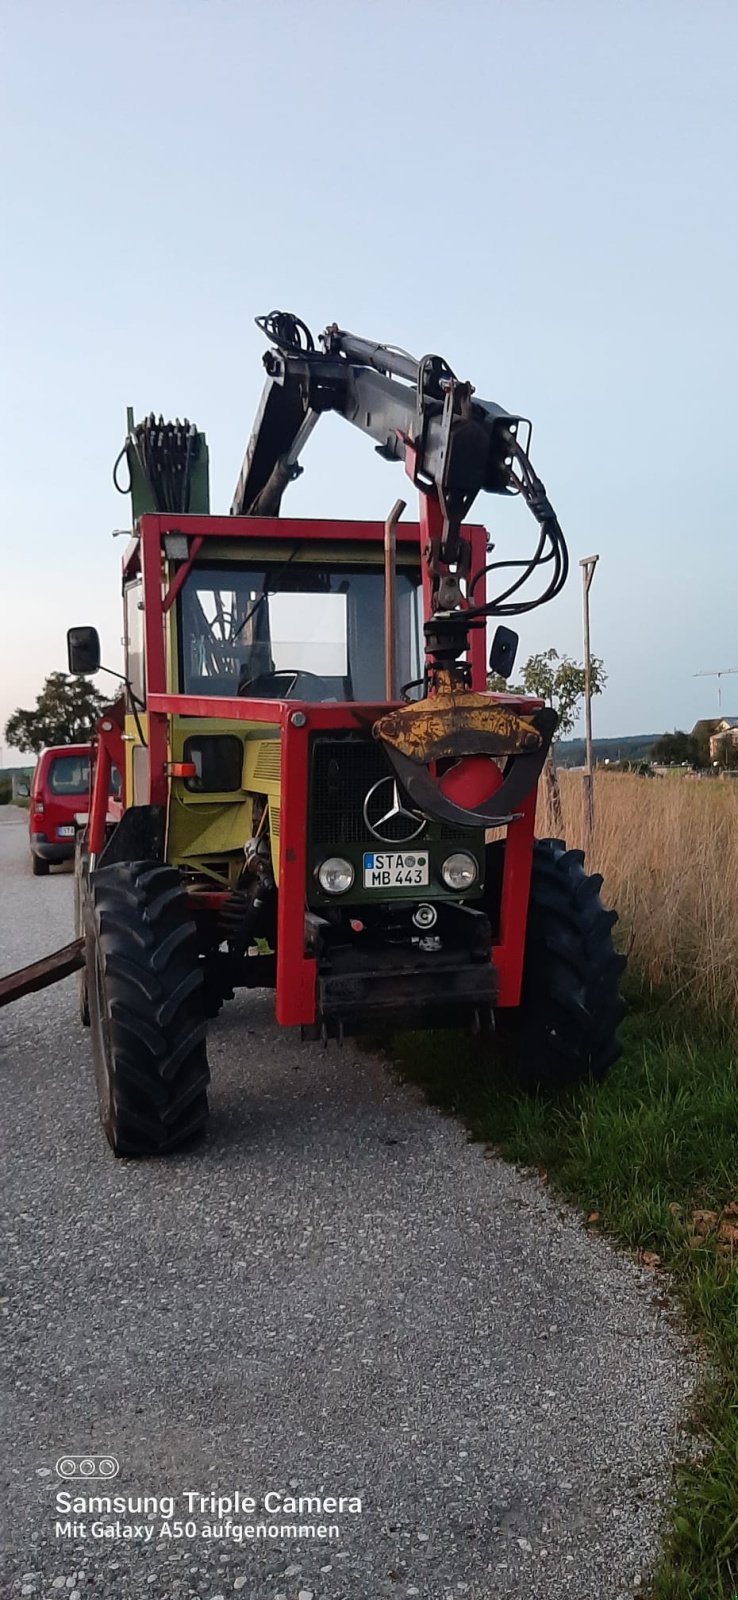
(69,775)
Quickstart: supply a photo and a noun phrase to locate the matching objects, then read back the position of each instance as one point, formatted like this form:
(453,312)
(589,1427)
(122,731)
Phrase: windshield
(294,630)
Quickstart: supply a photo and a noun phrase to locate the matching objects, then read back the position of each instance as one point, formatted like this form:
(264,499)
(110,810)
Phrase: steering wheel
(287,685)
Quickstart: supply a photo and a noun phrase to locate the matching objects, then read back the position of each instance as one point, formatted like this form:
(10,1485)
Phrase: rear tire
(81,890)
(146,1009)
(39,867)
(565,1029)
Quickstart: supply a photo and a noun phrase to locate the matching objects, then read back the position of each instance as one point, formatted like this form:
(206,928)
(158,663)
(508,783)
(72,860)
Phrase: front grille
(343,772)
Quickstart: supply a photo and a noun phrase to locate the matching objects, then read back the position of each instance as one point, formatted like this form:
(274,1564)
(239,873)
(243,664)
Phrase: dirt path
(336,1295)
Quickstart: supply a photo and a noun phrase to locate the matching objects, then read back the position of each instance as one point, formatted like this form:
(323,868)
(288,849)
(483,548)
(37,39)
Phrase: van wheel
(147,1021)
(39,867)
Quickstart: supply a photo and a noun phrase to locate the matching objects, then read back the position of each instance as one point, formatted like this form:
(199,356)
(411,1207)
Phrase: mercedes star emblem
(387,818)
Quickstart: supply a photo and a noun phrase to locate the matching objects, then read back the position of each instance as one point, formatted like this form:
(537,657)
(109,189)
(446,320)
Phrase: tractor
(319,793)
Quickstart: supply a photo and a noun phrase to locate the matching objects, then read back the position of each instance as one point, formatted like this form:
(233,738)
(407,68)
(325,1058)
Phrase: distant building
(723,737)
(703,730)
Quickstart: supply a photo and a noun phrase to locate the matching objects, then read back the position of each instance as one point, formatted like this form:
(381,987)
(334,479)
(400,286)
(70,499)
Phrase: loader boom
(453,445)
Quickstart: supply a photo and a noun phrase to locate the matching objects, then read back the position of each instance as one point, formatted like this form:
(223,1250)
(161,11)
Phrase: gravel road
(335,1296)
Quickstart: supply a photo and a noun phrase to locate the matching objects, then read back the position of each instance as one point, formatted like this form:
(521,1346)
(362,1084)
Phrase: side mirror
(83,651)
(503,652)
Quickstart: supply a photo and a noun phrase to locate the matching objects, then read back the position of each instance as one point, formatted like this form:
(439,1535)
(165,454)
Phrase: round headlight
(459,871)
(335,875)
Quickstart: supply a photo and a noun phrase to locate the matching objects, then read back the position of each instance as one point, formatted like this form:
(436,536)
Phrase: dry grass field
(650,1154)
(668,851)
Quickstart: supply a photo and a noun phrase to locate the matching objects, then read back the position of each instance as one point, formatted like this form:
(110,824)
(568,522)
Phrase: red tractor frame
(295,985)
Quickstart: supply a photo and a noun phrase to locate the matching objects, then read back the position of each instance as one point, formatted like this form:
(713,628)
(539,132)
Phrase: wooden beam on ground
(40,974)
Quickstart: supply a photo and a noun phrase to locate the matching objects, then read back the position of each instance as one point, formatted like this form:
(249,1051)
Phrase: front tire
(565,1029)
(144,986)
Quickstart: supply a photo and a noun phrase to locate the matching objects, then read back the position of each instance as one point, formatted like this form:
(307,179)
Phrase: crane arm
(453,444)
(460,444)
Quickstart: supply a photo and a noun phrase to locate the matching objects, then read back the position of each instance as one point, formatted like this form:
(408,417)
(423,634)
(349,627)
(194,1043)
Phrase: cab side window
(134,640)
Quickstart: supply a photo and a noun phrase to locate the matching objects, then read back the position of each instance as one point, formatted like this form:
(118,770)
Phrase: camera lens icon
(87,1467)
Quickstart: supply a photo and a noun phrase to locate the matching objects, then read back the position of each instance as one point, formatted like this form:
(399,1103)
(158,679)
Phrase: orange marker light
(181,769)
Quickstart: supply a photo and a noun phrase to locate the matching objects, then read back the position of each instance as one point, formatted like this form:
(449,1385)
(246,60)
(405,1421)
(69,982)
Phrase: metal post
(390,601)
(587,564)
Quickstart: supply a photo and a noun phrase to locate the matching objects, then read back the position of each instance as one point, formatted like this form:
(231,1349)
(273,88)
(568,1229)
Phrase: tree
(674,748)
(561,682)
(558,680)
(66,712)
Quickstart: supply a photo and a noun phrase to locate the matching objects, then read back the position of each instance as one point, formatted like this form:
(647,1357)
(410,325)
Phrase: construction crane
(720,672)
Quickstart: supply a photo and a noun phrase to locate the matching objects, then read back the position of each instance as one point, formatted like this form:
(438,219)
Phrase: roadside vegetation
(6,793)
(668,851)
(651,1155)
(66,711)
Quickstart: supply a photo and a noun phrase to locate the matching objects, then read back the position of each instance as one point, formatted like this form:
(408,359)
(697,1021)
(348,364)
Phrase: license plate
(67,832)
(395,869)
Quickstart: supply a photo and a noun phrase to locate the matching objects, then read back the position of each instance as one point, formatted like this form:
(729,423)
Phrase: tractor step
(40,974)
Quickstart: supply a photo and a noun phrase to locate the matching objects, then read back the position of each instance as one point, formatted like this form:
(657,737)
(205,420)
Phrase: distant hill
(633,747)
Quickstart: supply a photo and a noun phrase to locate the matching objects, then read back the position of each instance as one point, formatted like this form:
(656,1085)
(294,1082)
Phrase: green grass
(646,1149)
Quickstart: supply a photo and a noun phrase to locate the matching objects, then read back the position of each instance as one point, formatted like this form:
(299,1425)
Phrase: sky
(541,191)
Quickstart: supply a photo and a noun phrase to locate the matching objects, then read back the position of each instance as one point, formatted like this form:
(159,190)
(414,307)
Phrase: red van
(59,791)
